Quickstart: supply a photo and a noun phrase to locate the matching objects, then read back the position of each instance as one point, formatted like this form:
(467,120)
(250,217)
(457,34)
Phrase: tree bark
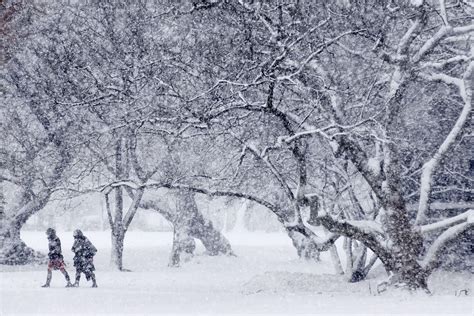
(203,229)
(13,251)
(183,245)
(189,223)
(406,243)
(305,247)
(118,237)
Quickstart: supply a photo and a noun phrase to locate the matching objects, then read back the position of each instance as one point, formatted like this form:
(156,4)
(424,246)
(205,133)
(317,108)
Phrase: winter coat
(54,248)
(84,251)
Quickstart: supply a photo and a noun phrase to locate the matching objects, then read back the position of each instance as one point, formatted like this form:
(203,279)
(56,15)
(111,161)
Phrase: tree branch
(448,222)
(432,258)
(430,166)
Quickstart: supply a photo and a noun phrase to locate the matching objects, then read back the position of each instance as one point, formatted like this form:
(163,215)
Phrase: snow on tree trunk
(405,243)
(189,223)
(13,250)
(121,218)
(359,271)
(2,202)
(117,231)
(398,252)
(183,245)
(118,236)
(214,242)
(200,227)
(305,247)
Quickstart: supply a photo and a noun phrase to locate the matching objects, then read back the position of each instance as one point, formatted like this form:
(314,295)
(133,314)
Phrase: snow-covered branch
(465,90)
(449,80)
(367,226)
(153,205)
(442,33)
(363,233)
(316,52)
(358,230)
(449,61)
(108,209)
(132,209)
(432,258)
(324,243)
(322,131)
(409,36)
(448,222)
(444,16)
(229,193)
(169,185)
(265,159)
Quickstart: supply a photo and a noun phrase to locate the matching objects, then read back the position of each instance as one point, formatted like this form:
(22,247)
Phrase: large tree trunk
(118,236)
(119,225)
(183,246)
(13,250)
(305,247)
(400,257)
(2,202)
(189,223)
(406,243)
(356,255)
(119,222)
(183,243)
(117,229)
(201,228)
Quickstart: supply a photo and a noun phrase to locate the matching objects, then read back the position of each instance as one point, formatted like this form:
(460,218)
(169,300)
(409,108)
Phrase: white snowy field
(266,277)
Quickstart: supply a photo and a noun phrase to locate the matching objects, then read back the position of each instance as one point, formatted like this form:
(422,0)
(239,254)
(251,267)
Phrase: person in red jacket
(56,260)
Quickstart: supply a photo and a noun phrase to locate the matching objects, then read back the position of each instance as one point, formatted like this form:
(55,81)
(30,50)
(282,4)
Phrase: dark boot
(68,280)
(78,278)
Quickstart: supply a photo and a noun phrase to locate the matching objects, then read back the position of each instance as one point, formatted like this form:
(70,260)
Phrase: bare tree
(41,136)
(419,47)
(300,66)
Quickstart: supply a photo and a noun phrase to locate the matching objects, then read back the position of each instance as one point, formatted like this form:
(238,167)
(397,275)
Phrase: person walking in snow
(84,252)
(56,260)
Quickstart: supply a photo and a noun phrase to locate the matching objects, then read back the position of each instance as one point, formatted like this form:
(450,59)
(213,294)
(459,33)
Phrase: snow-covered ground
(266,277)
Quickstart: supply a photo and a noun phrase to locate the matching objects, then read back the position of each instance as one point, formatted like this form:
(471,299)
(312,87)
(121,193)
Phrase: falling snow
(236,157)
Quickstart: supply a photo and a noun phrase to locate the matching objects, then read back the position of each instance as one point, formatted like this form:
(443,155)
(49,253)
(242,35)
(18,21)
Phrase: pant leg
(94,282)
(78,275)
(66,275)
(49,276)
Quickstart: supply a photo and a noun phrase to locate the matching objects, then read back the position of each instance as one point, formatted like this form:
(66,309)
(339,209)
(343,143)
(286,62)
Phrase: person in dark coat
(84,252)
(56,260)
